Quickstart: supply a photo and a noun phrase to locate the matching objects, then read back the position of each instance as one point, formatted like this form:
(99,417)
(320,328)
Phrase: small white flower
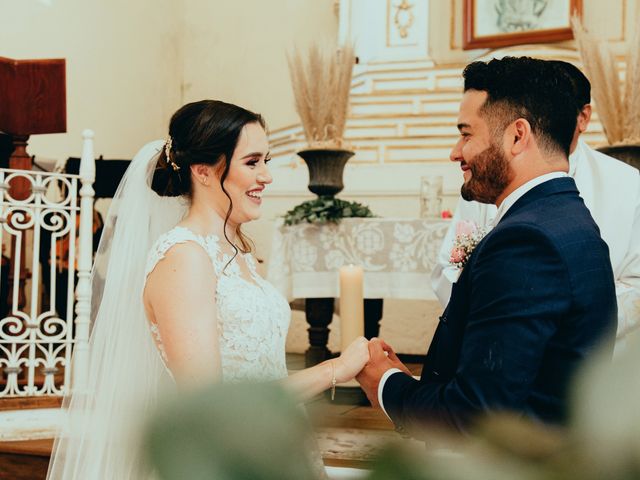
(467,238)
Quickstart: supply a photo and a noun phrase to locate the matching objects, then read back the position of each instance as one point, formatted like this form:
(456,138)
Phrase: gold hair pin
(167,151)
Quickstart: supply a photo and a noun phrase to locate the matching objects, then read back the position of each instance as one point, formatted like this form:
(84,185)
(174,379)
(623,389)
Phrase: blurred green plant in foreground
(601,440)
(229,432)
(258,432)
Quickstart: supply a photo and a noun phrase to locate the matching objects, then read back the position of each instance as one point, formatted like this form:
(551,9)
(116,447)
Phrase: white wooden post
(85,253)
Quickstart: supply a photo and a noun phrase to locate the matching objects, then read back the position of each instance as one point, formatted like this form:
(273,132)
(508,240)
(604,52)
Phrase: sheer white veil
(99,438)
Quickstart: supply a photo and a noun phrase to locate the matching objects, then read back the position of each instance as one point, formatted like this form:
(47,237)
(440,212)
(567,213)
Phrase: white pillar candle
(351,304)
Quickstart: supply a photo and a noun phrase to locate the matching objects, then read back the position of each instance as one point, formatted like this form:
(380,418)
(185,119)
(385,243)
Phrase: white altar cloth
(397,254)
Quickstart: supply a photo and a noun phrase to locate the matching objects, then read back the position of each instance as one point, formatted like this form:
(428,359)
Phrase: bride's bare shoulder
(183,267)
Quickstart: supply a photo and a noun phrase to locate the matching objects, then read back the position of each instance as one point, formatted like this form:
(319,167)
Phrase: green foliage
(324,210)
(230,432)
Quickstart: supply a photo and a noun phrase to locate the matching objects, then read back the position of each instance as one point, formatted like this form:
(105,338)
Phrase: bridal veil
(99,438)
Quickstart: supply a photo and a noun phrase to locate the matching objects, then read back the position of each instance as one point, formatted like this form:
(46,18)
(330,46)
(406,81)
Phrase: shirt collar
(514,196)
(574,158)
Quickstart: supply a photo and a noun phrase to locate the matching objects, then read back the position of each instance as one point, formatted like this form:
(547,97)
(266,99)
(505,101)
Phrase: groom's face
(483,161)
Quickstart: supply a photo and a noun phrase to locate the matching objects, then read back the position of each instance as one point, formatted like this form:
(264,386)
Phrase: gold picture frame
(501,23)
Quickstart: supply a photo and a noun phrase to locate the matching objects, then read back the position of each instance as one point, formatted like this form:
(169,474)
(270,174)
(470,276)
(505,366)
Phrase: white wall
(130,64)
(123,75)
(236,51)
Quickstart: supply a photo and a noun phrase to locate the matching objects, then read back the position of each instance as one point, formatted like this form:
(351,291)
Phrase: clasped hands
(367,361)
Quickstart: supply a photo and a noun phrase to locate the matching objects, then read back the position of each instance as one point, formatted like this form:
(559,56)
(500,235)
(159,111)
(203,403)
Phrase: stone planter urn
(629,153)
(326,167)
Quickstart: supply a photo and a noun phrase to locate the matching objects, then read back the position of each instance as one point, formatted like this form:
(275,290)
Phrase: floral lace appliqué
(253,317)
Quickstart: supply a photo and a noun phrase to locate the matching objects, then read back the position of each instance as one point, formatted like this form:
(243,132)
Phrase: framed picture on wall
(500,23)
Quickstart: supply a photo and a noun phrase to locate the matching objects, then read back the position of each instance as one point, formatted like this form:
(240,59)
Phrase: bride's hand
(352,360)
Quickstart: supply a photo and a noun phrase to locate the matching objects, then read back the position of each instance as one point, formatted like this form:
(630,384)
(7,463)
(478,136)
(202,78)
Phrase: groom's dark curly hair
(580,82)
(523,87)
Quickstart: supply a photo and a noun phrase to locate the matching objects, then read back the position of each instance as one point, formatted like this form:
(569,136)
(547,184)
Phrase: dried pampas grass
(321,83)
(632,92)
(620,117)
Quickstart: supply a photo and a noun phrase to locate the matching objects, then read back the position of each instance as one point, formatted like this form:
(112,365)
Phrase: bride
(196,311)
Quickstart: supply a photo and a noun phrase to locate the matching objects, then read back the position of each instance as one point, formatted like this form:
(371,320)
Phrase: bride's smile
(242,185)
(248,174)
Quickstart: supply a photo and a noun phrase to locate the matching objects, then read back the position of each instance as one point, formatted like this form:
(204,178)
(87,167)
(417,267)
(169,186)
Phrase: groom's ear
(519,136)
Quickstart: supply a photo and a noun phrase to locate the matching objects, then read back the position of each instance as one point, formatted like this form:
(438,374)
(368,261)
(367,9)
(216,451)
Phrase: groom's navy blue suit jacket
(535,298)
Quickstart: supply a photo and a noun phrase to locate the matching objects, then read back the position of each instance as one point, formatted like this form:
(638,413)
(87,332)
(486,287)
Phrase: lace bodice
(253,317)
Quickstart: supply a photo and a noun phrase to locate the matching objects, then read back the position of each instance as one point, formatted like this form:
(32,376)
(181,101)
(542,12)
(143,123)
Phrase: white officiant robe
(611,192)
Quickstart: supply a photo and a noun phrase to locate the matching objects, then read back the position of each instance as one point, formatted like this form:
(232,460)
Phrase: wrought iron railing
(47,245)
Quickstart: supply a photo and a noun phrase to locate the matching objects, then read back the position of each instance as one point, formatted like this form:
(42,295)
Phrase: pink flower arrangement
(457,255)
(468,235)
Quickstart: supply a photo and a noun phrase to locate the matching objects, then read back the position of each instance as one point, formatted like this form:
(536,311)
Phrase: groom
(537,294)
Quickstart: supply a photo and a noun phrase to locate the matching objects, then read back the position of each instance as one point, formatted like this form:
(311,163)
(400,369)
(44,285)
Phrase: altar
(397,255)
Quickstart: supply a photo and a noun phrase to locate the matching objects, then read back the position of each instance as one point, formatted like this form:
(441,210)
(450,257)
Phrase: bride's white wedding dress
(125,371)
(253,317)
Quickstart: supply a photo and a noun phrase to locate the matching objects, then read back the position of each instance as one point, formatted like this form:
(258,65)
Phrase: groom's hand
(391,355)
(381,358)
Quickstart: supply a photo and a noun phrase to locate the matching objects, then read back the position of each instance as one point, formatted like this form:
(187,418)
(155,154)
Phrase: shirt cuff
(383,379)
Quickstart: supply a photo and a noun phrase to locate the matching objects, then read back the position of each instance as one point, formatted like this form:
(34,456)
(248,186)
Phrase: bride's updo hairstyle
(204,132)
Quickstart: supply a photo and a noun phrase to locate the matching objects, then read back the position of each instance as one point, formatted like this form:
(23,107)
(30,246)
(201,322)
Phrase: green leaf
(325,209)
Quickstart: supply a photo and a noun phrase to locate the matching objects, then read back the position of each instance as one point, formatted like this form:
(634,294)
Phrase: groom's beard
(491,173)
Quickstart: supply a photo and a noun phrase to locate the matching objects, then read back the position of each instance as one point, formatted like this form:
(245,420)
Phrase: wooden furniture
(25,460)
(33,99)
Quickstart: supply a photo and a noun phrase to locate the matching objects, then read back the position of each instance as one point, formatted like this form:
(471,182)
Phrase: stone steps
(406,112)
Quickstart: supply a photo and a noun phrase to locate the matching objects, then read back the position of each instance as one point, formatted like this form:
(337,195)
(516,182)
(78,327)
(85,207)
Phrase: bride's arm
(179,295)
(311,381)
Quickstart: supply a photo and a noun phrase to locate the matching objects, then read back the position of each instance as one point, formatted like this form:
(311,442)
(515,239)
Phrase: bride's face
(248,175)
